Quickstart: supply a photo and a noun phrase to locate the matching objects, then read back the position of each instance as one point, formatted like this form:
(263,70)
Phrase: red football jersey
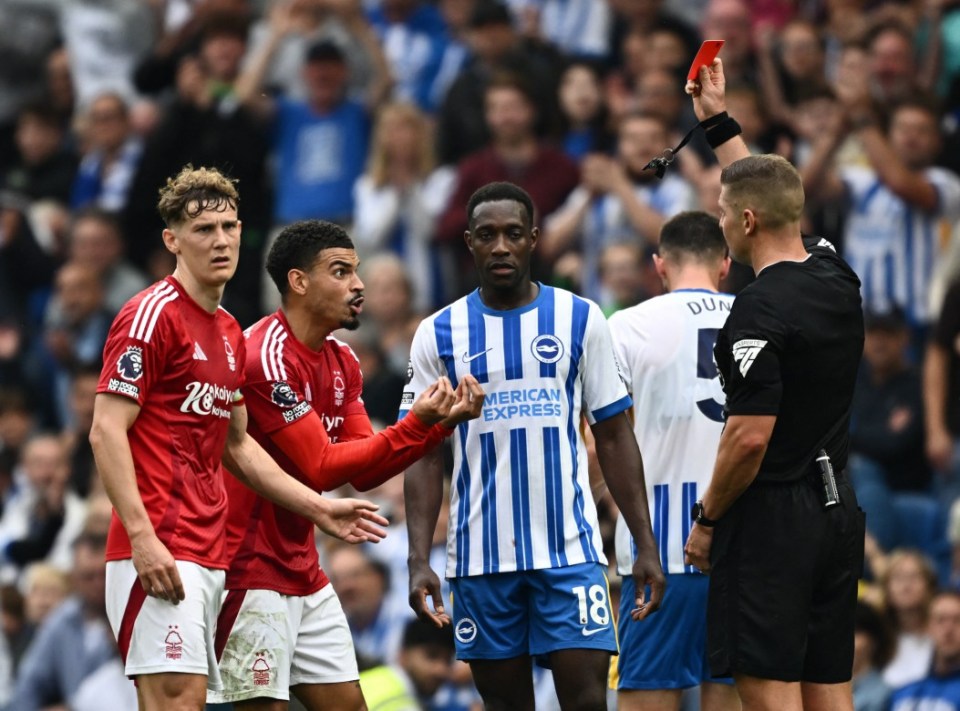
(183,366)
(285,383)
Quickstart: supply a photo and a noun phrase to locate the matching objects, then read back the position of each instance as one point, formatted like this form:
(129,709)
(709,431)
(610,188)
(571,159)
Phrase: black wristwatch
(698,515)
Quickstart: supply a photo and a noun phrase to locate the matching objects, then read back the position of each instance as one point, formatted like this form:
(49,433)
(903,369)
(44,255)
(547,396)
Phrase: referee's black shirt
(791,348)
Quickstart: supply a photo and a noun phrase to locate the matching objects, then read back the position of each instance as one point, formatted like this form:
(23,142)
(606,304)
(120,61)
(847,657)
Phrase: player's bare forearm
(113,415)
(743,445)
(622,466)
(423,496)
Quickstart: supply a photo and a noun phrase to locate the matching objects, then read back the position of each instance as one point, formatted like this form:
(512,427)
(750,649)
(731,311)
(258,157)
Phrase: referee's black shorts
(783,585)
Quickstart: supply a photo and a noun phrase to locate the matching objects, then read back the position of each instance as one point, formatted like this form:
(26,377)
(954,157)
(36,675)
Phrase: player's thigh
(172,692)
(504,684)
(490,616)
(763,567)
(158,637)
(261,705)
(323,654)
(829,658)
(256,632)
(666,650)
(343,696)
(648,700)
(580,678)
(569,608)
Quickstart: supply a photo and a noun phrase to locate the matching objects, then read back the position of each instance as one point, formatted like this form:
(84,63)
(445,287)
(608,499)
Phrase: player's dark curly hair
(298,245)
(692,235)
(495,192)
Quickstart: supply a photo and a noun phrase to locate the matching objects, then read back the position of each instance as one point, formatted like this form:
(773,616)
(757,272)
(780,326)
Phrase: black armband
(714,120)
(723,132)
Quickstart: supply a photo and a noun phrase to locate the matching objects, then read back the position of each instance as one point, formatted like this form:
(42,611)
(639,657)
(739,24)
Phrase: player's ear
(297,281)
(724,268)
(534,237)
(659,265)
(170,241)
(468,240)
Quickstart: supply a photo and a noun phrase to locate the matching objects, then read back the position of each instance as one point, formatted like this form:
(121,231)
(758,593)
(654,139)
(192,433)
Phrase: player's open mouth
(221,261)
(356,306)
(502,268)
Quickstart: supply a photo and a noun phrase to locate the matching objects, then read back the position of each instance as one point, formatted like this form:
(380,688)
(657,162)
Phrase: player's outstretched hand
(708,91)
(435,402)
(156,568)
(468,403)
(647,571)
(352,520)
(424,583)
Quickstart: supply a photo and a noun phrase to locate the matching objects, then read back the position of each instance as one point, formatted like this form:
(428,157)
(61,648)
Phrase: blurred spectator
(382,385)
(617,201)
(44,168)
(423,666)
(206,125)
(731,21)
(17,422)
(389,308)
(75,329)
(896,206)
(16,632)
(398,201)
(578,28)
(953,538)
(96,241)
(59,91)
(456,16)
(496,48)
(74,640)
(414,42)
(642,18)
(892,67)
(75,436)
(586,121)
(791,65)
(941,397)
(362,584)
(42,517)
(338,21)
(908,582)
(44,588)
(873,646)
(886,431)
(321,143)
(105,39)
(515,154)
(940,689)
(623,282)
(111,155)
(24,53)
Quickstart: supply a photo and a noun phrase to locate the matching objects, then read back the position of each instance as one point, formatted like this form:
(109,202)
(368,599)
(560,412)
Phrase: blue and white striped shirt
(520,498)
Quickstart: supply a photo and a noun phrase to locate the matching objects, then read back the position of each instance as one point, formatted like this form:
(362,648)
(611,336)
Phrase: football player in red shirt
(168,410)
(281,625)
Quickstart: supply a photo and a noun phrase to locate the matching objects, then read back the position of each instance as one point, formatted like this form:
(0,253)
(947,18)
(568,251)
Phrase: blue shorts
(667,650)
(532,612)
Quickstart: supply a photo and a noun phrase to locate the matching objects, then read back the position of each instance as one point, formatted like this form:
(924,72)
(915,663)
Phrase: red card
(708,52)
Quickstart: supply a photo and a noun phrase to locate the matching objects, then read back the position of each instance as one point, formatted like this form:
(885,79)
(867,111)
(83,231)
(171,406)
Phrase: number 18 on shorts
(533,612)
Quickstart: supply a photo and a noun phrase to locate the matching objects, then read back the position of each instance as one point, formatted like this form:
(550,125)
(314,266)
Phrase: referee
(784,548)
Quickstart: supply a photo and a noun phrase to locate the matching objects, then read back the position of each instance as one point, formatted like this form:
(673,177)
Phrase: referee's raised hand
(708,91)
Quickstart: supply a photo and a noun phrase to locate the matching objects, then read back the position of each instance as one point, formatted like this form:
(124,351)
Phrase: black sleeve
(757,335)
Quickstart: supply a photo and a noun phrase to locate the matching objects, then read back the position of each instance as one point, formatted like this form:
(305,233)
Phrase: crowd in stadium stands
(384,116)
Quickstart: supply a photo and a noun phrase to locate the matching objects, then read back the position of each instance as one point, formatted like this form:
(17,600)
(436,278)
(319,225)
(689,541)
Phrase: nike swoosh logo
(588,633)
(467,358)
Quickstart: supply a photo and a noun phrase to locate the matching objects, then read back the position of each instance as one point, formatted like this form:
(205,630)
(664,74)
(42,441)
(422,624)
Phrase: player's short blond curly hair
(194,190)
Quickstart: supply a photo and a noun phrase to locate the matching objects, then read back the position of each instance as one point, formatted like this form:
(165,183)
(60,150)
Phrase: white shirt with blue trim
(520,496)
(665,348)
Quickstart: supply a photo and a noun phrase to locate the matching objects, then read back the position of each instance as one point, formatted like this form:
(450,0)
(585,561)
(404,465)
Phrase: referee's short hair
(692,236)
(768,185)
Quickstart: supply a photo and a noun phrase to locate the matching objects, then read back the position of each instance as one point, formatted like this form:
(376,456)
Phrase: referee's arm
(743,445)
